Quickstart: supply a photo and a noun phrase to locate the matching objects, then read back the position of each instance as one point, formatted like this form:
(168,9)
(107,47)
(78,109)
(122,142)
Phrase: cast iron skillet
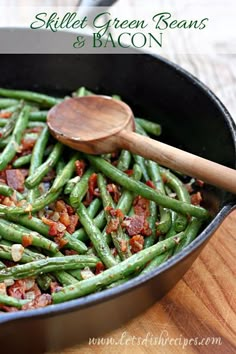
(192,118)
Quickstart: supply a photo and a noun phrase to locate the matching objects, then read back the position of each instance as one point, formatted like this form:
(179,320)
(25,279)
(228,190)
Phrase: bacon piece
(129,172)
(134,224)
(40,301)
(70,252)
(60,241)
(15,179)
(60,205)
(141,206)
(92,185)
(5,114)
(64,218)
(113,225)
(27,240)
(50,175)
(150,184)
(27,144)
(196,198)
(79,167)
(136,243)
(52,226)
(8,308)
(73,223)
(55,287)
(17,290)
(99,268)
(199,183)
(113,189)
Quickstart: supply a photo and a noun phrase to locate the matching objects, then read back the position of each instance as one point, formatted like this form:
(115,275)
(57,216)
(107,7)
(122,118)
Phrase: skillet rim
(108,294)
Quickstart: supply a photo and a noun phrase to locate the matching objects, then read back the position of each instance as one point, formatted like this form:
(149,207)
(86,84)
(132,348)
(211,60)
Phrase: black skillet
(192,118)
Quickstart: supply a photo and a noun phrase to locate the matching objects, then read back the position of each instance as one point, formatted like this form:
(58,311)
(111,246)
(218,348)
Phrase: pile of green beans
(75,249)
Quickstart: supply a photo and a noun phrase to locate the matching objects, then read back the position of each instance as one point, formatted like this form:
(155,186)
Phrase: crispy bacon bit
(70,252)
(129,172)
(15,179)
(146,231)
(8,308)
(55,287)
(8,202)
(60,206)
(60,241)
(196,198)
(5,114)
(117,213)
(27,145)
(40,301)
(136,243)
(73,223)
(99,268)
(123,245)
(134,225)
(33,130)
(150,184)
(141,206)
(92,185)
(52,226)
(113,225)
(27,240)
(17,290)
(199,183)
(79,167)
(113,189)
(69,209)
(64,218)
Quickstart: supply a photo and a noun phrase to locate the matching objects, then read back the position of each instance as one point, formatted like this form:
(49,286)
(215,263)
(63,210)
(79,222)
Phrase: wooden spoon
(99,124)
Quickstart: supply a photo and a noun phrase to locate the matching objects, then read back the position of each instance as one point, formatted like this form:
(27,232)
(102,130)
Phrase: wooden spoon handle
(176,159)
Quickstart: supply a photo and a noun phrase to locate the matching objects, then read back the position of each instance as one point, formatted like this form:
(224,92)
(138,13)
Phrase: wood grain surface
(202,307)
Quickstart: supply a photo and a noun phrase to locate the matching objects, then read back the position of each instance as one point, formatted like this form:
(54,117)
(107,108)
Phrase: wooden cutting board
(201,308)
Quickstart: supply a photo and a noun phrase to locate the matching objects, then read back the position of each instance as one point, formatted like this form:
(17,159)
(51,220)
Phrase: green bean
(48,265)
(6,190)
(40,116)
(175,184)
(145,191)
(36,177)
(22,161)
(124,160)
(126,200)
(99,222)
(6,253)
(3,122)
(165,216)
(157,261)
(36,125)
(95,236)
(150,240)
(71,184)
(2,265)
(11,149)
(149,127)
(80,189)
(12,301)
(120,240)
(38,150)
(119,271)
(9,126)
(40,98)
(37,225)
(82,91)
(44,281)
(36,160)
(190,234)
(11,232)
(7,102)
(65,174)
(116,97)
(141,162)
